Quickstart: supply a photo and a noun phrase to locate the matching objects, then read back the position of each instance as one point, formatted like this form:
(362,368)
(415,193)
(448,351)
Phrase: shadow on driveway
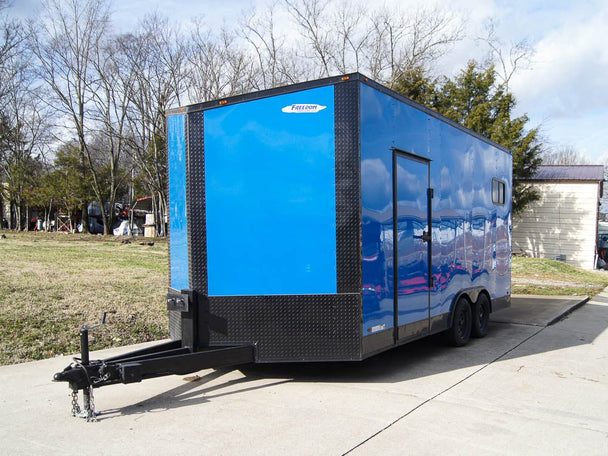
(423,358)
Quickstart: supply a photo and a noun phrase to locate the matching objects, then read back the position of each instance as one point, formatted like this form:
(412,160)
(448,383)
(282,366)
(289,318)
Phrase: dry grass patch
(549,277)
(50,284)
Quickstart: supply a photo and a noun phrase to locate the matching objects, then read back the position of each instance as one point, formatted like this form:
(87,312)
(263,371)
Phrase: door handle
(426,236)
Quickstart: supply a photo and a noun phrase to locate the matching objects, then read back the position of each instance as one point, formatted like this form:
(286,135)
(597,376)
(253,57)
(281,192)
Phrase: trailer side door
(412,244)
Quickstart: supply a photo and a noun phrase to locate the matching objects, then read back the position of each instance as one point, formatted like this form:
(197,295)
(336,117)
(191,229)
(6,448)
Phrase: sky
(564,91)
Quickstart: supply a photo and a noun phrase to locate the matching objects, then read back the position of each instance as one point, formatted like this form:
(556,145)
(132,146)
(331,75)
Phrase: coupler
(81,375)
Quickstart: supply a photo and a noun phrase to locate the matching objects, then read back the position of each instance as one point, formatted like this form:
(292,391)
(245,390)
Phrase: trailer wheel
(460,332)
(481,316)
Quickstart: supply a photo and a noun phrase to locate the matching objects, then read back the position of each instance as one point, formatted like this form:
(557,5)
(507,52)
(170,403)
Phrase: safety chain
(75,406)
(92,415)
(89,411)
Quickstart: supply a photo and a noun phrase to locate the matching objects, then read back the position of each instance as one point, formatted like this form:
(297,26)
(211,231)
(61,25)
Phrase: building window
(498,191)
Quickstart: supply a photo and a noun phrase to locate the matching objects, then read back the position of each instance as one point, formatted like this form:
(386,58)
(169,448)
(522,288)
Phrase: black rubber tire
(462,322)
(481,316)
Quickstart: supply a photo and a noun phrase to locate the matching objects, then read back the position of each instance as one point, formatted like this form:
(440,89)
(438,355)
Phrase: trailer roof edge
(332,80)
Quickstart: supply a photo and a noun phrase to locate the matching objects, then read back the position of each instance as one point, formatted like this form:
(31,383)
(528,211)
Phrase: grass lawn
(549,277)
(51,284)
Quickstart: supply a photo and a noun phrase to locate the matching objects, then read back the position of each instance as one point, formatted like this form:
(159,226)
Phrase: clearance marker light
(223,102)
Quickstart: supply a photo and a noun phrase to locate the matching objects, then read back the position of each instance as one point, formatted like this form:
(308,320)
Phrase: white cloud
(566,90)
(569,70)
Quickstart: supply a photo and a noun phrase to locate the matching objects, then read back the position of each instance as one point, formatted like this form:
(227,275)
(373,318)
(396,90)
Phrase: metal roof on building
(569,172)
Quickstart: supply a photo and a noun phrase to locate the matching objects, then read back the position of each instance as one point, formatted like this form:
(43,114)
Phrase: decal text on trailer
(299,108)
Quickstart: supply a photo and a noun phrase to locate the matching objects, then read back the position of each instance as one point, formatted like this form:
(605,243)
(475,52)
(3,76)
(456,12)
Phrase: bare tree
(353,36)
(275,63)
(156,57)
(11,41)
(9,48)
(342,37)
(564,155)
(401,42)
(24,131)
(113,87)
(23,148)
(65,41)
(166,45)
(508,60)
(388,32)
(311,17)
(219,67)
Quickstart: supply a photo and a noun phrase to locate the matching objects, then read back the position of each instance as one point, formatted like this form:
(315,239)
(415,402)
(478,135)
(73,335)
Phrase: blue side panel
(386,123)
(377,114)
(470,236)
(270,196)
(178,226)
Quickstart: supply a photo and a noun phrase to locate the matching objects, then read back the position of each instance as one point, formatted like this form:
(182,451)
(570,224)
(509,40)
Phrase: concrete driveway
(526,388)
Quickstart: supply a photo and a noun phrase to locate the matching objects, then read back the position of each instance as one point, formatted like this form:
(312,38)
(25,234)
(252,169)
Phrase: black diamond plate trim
(197,228)
(175,325)
(348,187)
(293,328)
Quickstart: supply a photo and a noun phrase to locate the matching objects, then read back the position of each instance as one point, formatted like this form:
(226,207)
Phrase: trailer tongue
(164,359)
(176,357)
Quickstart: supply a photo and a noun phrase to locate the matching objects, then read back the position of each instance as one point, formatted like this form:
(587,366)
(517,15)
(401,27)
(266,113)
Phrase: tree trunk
(104,219)
(11,215)
(155,212)
(48,216)
(84,217)
(17,217)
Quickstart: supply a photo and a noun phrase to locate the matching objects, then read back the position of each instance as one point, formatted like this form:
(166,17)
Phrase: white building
(563,224)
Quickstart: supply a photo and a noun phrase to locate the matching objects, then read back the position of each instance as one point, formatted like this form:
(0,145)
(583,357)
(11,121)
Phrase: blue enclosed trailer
(323,221)
(334,219)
